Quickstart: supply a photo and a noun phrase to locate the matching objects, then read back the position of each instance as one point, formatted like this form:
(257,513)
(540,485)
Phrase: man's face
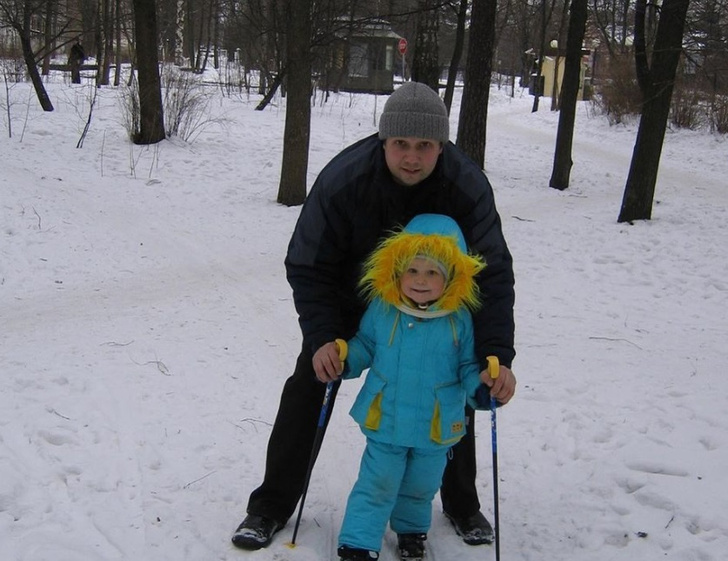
(410,159)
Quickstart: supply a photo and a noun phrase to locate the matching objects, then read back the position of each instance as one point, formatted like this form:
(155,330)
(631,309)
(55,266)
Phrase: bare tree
(547,11)
(292,187)
(118,26)
(569,95)
(179,33)
(426,65)
(561,32)
(656,79)
(50,22)
(452,73)
(151,116)
(20,16)
(105,34)
(613,20)
(474,104)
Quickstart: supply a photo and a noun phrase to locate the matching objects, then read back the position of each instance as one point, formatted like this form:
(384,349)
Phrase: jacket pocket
(448,417)
(367,408)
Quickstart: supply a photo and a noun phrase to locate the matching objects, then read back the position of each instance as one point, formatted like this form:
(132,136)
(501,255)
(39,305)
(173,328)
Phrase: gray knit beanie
(415,109)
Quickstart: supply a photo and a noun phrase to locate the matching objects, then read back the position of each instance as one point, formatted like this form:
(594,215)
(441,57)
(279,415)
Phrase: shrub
(687,108)
(130,110)
(718,115)
(185,100)
(619,96)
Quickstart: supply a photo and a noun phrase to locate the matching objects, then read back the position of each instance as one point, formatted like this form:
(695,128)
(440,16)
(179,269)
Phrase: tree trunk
(102,44)
(425,64)
(473,117)
(189,34)
(569,95)
(117,40)
(197,61)
(179,34)
(216,36)
(292,187)
(658,84)
(541,53)
(556,90)
(108,41)
(48,27)
(457,54)
(276,83)
(210,45)
(29,58)
(151,116)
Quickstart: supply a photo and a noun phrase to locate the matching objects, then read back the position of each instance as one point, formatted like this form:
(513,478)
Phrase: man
(75,60)
(370,188)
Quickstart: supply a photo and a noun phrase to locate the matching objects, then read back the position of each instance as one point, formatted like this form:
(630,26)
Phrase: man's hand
(327,364)
(503,387)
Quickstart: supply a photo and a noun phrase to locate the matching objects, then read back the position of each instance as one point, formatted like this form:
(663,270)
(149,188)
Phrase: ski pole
(493,370)
(318,439)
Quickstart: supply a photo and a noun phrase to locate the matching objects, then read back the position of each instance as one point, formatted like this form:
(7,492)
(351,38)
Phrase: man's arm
(316,252)
(481,225)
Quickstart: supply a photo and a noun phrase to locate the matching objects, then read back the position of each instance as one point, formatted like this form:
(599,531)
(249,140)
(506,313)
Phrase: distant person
(416,339)
(75,60)
(365,192)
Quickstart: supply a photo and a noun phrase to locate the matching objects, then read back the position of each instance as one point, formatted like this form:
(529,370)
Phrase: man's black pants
(292,438)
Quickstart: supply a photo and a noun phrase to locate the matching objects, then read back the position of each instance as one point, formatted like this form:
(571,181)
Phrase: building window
(359,60)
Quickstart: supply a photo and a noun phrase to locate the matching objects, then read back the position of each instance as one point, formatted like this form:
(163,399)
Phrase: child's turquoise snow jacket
(422,364)
(414,393)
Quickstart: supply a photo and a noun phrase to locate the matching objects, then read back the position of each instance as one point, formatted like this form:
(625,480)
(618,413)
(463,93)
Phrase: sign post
(402,47)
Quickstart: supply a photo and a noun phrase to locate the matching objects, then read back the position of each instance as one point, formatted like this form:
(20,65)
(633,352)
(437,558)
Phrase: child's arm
(361,347)
(328,362)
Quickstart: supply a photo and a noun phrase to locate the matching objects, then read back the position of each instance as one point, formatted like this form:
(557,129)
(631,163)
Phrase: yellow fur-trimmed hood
(436,237)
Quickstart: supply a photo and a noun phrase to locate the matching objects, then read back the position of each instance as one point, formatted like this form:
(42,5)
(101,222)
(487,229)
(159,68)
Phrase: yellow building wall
(547,71)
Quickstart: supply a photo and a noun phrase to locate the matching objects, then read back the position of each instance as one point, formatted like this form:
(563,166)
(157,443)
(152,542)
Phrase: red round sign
(402,46)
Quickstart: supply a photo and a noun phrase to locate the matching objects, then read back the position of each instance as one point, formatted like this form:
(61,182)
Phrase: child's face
(422,281)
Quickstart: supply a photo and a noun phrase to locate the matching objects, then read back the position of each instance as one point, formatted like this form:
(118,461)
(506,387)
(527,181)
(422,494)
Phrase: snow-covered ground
(146,329)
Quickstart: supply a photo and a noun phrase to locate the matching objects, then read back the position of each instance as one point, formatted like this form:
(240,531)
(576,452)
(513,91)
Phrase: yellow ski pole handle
(343,349)
(493,366)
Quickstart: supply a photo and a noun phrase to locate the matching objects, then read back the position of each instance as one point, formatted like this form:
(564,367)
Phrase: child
(416,338)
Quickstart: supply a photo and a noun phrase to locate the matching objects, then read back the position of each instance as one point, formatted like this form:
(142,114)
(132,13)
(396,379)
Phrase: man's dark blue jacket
(354,203)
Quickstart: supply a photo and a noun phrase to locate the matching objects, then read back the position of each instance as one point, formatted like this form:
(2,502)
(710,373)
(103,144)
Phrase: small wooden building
(364,58)
(552,74)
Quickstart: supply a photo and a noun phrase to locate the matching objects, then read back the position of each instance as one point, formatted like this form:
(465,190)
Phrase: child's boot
(411,546)
(347,553)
